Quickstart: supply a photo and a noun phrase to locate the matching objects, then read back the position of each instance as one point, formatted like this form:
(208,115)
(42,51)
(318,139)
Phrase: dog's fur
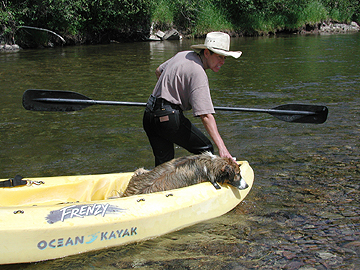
(184,171)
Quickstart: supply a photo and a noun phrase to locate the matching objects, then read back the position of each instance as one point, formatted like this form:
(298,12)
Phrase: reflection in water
(303,208)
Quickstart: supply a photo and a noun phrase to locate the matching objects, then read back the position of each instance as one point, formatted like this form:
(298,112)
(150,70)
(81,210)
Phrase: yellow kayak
(54,217)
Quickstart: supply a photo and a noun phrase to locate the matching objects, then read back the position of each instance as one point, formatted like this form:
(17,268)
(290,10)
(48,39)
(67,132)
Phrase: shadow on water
(303,211)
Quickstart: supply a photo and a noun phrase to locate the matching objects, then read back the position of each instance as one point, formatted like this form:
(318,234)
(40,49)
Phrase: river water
(303,210)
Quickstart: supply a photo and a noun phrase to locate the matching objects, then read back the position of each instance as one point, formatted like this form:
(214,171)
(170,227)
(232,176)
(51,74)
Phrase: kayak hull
(75,214)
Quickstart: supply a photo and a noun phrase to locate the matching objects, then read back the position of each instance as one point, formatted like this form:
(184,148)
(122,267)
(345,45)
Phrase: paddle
(50,100)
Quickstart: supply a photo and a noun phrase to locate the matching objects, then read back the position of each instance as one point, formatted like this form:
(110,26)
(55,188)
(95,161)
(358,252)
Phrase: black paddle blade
(317,113)
(35,100)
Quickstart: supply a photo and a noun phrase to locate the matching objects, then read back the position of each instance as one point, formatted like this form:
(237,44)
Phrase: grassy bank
(251,17)
(99,21)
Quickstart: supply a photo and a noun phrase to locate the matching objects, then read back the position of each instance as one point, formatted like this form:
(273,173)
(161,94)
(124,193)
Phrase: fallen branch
(42,29)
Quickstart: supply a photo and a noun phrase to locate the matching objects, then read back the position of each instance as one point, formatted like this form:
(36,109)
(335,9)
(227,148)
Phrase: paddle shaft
(125,103)
(50,100)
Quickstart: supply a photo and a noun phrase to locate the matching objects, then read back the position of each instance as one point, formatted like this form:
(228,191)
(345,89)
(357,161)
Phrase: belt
(160,103)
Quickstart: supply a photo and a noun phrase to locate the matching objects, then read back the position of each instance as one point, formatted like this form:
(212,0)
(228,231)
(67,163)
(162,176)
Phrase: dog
(186,171)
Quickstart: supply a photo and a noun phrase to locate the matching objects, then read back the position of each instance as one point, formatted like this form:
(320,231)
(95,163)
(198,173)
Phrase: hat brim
(199,47)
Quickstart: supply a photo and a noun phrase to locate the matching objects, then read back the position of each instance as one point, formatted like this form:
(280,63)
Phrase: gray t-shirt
(184,82)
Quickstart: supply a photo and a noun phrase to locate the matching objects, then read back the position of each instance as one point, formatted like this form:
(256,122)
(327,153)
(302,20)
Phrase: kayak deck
(74,214)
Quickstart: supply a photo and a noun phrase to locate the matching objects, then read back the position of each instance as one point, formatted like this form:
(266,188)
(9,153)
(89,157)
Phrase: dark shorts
(166,125)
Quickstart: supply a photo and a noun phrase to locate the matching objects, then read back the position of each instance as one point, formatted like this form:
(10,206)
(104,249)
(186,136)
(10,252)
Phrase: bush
(192,17)
(274,15)
(162,14)
(97,21)
(85,21)
(7,24)
(341,10)
(211,18)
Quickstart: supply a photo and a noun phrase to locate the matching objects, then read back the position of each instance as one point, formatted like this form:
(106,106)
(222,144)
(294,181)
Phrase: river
(303,210)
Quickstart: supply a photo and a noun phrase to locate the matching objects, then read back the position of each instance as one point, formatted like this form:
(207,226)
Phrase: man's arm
(209,123)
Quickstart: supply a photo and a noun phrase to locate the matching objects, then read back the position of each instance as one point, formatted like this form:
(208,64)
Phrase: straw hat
(218,43)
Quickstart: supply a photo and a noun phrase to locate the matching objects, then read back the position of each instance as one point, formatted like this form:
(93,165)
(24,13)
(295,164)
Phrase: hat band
(218,48)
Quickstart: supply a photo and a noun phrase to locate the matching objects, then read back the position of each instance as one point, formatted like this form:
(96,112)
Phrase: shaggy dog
(186,171)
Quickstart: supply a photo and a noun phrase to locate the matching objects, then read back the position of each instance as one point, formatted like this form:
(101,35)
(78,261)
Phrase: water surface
(303,211)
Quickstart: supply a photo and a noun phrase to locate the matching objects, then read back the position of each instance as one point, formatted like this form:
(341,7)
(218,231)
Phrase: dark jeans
(165,126)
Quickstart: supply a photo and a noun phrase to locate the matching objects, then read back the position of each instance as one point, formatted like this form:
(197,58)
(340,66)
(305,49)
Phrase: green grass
(210,18)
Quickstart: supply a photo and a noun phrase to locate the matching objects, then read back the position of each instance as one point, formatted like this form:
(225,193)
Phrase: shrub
(96,21)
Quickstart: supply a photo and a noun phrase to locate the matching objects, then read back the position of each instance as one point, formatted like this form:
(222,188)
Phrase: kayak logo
(79,240)
(81,211)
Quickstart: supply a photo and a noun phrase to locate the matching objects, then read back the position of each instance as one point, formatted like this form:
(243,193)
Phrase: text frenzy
(81,211)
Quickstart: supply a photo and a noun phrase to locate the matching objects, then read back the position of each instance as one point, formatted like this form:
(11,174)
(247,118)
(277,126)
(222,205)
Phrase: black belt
(160,103)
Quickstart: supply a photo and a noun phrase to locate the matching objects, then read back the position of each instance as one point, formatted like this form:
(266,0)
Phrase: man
(183,85)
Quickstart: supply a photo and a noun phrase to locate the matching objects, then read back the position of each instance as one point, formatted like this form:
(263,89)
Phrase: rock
(172,34)
(289,255)
(325,255)
(355,25)
(15,47)
(10,48)
(154,38)
(160,34)
(339,27)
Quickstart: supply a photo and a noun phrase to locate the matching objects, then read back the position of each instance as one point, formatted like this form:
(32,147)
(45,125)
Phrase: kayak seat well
(66,189)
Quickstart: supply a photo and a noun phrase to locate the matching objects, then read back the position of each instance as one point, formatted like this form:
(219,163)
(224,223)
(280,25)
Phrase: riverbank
(321,28)
(32,24)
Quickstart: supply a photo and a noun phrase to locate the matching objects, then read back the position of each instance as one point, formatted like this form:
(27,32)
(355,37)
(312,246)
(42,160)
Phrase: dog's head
(230,174)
